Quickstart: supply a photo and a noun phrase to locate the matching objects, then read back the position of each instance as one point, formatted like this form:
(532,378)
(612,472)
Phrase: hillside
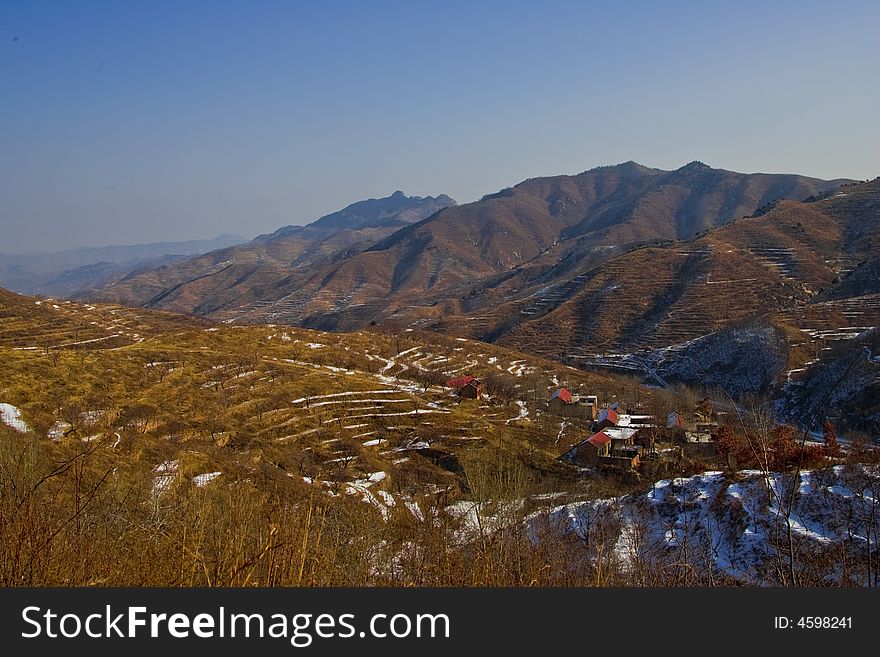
(730,528)
(470,257)
(232,276)
(143,448)
(73,271)
(277,403)
(792,268)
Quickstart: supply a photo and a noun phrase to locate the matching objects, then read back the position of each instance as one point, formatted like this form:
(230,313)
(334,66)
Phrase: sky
(133,122)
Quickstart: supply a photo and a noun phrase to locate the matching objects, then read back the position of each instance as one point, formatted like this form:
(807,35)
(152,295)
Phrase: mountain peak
(398,194)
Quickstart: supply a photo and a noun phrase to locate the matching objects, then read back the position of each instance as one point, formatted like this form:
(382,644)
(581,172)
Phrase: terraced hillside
(364,413)
(785,261)
(45,324)
(465,259)
(197,454)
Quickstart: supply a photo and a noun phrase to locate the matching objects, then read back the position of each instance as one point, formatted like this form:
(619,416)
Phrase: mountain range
(458,259)
(261,269)
(83,270)
(746,282)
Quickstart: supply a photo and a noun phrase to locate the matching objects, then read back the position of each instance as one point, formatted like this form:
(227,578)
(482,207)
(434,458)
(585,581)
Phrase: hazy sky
(125,122)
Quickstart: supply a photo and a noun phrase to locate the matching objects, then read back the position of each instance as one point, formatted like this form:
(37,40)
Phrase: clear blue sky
(124,122)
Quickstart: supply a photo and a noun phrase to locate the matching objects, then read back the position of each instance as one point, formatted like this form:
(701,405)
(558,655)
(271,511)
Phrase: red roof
(599,440)
(608,414)
(460,382)
(563,394)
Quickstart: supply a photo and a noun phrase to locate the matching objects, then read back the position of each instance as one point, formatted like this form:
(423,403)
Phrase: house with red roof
(609,449)
(588,451)
(608,417)
(563,402)
(562,394)
(466,387)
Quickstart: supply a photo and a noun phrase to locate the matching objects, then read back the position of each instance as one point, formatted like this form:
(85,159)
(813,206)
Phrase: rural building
(625,458)
(562,402)
(674,420)
(588,451)
(560,396)
(466,387)
(699,443)
(607,418)
(613,448)
(621,436)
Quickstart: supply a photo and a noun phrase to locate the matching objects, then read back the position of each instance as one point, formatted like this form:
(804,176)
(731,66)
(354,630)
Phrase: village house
(621,436)
(699,443)
(590,406)
(608,417)
(625,458)
(466,387)
(563,402)
(612,447)
(588,451)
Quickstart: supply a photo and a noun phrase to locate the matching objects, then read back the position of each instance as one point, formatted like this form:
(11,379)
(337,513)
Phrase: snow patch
(203,479)
(11,417)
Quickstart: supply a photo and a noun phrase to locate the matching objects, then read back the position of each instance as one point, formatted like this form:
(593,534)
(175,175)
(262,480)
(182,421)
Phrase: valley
(126,427)
(641,363)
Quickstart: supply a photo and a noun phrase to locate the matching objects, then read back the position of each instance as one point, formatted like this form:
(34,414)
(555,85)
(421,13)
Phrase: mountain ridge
(70,271)
(523,233)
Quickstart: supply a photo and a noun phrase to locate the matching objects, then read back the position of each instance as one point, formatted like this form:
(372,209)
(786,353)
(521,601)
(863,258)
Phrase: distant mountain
(73,270)
(243,274)
(657,296)
(697,276)
(465,261)
(783,305)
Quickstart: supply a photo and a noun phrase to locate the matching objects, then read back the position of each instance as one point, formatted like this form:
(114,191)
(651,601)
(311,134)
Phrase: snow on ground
(561,430)
(11,416)
(523,412)
(387,498)
(415,510)
(362,487)
(418,411)
(57,430)
(203,479)
(358,401)
(166,475)
(401,387)
(407,351)
(284,439)
(345,394)
(727,523)
(167,467)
